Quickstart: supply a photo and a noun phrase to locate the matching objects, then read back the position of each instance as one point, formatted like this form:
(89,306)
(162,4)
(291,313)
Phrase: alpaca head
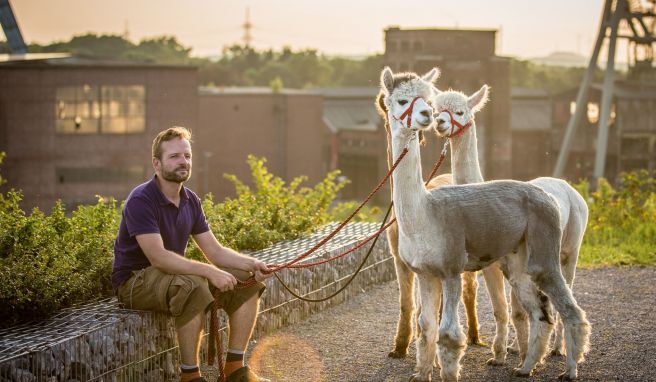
(404,101)
(454,110)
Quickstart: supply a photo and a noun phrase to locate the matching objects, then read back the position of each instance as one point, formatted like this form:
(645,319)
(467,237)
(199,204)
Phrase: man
(150,270)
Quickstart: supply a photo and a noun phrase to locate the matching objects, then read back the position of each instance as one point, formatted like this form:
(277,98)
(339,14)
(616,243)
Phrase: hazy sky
(527,28)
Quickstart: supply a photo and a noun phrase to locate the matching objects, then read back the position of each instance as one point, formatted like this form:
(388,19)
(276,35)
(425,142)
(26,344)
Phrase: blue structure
(11,29)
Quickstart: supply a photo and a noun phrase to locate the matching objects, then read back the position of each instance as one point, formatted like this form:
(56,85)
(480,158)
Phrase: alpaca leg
(496,290)
(577,327)
(470,288)
(538,309)
(520,322)
(536,305)
(430,290)
(568,268)
(452,339)
(405,278)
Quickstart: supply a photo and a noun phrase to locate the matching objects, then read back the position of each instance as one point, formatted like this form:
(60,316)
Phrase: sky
(526,28)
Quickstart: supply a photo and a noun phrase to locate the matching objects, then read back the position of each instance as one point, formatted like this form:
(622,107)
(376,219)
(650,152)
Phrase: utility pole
(248,38)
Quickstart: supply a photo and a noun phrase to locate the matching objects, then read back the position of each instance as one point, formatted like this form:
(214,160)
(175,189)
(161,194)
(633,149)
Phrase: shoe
(245,374)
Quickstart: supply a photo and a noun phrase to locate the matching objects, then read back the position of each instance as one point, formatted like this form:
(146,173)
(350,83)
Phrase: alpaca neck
(408,182)
(464,158)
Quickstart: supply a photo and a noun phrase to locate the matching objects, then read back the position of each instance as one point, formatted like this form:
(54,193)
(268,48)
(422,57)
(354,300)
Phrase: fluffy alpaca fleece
(405,279)
(466,169)
(452,229)
(409,304)
(454,110)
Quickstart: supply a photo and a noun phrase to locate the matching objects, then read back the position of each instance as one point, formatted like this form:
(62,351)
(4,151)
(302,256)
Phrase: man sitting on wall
(150,270)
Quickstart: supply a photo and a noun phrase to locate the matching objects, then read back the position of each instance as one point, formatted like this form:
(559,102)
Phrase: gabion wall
(101,342)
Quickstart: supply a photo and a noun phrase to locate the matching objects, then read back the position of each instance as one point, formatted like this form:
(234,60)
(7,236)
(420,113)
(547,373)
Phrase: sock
(234,361)
(189,372)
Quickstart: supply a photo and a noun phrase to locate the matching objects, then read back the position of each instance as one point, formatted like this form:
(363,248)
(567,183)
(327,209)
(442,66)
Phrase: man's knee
(188,296)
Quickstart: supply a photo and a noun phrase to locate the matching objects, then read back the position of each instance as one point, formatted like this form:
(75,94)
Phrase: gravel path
(350,342)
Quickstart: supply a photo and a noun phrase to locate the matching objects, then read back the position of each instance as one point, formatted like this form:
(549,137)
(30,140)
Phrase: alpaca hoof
(495,362)
(396,353)
(477,342)
(566,377)
(557,353)
(416,378)
(518,372)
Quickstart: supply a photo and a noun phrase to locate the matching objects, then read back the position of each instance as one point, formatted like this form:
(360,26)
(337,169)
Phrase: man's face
(175,164)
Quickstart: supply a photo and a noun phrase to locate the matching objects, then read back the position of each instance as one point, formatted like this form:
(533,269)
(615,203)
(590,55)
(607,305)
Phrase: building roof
(250,90)
(530,114)
(68,60)
(350,92)
(342,114)
(630,91)
(517,92)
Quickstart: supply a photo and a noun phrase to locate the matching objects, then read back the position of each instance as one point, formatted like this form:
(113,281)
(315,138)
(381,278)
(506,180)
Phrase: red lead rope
(215,350)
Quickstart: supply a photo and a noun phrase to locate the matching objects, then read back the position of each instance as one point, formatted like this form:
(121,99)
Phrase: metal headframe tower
(633,20)
(11,29)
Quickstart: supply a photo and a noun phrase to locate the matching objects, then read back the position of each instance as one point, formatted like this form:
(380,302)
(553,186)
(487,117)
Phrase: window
(91,109)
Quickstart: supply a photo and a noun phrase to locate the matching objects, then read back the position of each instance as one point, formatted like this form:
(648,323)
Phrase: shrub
(622,223)
(269,212)
(51,261)
(48,262)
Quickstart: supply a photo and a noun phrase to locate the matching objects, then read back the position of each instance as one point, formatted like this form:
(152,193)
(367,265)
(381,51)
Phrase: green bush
(51,261)
(622,223)
(269,212)
(48,262)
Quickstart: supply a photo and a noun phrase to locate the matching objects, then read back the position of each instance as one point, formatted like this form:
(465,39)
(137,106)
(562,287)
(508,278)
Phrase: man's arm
(225,257)
(170,262)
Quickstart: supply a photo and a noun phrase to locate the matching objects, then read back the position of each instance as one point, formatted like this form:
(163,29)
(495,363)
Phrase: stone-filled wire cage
(100,341)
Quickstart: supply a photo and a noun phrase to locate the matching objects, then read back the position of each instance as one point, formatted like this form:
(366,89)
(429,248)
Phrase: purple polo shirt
(147,210)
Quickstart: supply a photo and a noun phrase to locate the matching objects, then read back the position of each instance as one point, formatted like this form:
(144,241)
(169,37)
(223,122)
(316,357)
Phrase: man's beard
(173,176)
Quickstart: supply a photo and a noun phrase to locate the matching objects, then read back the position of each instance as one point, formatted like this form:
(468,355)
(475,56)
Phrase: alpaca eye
(460,113)
(403,102)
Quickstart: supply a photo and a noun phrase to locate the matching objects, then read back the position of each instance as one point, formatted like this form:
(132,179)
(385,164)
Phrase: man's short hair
(167,135)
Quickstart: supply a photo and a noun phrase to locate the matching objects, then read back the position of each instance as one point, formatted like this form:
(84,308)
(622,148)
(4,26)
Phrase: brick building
(73,128)
(467,60)
(285,127)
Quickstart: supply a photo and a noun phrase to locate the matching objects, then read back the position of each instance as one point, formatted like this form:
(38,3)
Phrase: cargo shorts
(181,296)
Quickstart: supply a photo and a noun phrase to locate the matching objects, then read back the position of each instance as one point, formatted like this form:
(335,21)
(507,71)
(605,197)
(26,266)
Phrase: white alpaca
(455,118)
(453,229)
(466,169)
(407,300)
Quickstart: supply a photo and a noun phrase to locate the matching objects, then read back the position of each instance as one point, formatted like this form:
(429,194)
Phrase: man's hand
(222,280)
(260,270)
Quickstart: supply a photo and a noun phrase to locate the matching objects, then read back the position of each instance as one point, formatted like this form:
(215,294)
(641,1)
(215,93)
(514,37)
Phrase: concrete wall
(286,129)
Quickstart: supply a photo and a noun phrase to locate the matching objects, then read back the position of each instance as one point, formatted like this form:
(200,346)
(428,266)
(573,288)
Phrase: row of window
(93,109)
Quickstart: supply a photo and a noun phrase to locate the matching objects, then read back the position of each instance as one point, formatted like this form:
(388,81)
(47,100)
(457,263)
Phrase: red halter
(408,112)
(461,128)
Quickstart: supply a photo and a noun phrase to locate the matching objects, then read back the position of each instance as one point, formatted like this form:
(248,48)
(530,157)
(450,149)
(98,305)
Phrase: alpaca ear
(387,80)
(477,100)
(431,76)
